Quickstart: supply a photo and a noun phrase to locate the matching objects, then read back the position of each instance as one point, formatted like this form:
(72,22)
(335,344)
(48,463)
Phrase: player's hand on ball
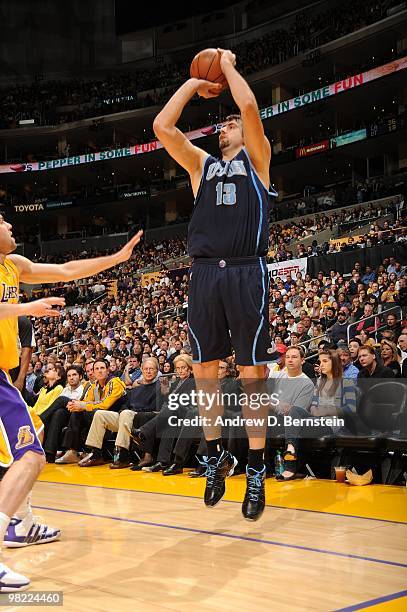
(44,307)
(226,57)
(207,89)
(125,253)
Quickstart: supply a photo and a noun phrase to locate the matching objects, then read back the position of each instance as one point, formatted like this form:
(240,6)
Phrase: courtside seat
(366,443)
(277,442)
(321,443)
(394,464)
(379,416)
(396,445)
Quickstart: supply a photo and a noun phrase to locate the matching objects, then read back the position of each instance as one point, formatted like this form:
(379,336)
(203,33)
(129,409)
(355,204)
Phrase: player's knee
(35,460)
(206,370)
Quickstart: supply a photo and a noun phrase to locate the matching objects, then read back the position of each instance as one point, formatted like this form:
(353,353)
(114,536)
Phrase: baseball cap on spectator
(281,349)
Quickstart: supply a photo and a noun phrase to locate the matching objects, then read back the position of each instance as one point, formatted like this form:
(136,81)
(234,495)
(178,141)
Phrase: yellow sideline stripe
(399,605)
(371,501)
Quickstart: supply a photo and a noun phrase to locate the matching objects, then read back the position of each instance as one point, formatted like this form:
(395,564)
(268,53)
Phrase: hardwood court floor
(144,542)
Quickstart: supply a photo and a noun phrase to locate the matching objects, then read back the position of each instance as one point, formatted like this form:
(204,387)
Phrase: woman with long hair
(54,379)
(334,396)
(390,357)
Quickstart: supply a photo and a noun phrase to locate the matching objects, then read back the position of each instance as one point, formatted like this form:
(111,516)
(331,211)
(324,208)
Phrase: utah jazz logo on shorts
(25,437)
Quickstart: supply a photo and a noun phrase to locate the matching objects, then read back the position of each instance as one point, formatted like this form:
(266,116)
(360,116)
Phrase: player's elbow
(248,106)
(158,126)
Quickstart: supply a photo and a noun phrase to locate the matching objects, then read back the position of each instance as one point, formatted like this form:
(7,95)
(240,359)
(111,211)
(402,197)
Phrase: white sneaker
(70,456)
(26,532)
(11,582)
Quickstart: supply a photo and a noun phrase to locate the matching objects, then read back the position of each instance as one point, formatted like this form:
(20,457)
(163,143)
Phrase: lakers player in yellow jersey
(20,449)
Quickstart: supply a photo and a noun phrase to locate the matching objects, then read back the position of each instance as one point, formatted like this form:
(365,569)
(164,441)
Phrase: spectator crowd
(53,102)
(101,377)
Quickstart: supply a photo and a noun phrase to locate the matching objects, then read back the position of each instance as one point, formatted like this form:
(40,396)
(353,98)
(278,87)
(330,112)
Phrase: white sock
(4,523)
(25,510)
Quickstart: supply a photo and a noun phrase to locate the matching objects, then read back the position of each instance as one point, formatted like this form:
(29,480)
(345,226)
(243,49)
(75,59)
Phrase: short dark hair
(357,340)
(235,117)
(77,369)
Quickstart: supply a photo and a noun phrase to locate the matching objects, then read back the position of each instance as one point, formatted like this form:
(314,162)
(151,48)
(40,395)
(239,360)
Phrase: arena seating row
(378,440)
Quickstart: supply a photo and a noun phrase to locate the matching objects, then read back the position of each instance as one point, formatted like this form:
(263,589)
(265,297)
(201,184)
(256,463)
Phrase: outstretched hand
(125,253)
(44,307)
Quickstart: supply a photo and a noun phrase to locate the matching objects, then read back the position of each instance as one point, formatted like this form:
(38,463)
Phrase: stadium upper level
(164,63)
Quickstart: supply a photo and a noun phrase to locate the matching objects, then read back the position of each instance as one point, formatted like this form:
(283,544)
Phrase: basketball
(206,65)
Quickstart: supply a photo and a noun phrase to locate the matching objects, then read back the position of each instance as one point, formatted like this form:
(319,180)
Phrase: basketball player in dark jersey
(228,285)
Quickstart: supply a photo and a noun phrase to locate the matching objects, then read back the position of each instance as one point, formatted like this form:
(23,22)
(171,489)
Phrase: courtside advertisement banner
(288,269)
(271,111)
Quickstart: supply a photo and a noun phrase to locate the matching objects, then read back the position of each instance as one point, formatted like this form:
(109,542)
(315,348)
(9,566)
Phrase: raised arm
(31,272)
(255,140)
(190,157)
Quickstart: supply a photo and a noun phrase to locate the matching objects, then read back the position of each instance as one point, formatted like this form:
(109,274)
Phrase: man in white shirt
(73,389)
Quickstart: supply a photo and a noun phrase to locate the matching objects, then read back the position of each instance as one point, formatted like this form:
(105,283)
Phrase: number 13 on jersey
(225,194)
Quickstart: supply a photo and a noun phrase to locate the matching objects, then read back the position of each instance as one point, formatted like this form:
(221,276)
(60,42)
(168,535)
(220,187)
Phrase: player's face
(7,241)
(231,136)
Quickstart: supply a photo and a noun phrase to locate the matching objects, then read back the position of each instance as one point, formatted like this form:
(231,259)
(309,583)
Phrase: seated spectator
(278,365)
(402,346)
(369,324)
(354,346)
(390,357)
(145,400)
(56,417)
(103,394)
(30,378)
(365,338)
(54,377)
(339,331)
(370,367)
(390,295)
(231,390)
(349,370)
(168,368)
(159,429)
(131,372)
(393,325)
(333,396)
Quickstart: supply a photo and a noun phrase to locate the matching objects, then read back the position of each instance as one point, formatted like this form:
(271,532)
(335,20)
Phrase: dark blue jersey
(231,212)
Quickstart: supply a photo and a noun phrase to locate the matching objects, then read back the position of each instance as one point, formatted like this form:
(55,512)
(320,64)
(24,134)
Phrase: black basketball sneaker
(217,470)
(255,499)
